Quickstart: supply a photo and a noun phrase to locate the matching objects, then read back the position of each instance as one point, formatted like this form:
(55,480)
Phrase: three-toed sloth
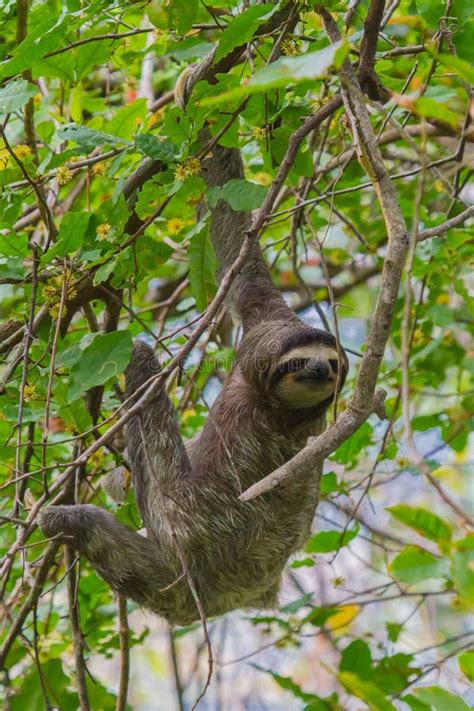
(201,539)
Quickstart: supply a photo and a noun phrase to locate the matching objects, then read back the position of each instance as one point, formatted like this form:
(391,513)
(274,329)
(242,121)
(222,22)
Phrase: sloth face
(290,365)
(306,376)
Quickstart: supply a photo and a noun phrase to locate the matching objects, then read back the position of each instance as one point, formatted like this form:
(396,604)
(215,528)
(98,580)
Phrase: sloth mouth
(314,378)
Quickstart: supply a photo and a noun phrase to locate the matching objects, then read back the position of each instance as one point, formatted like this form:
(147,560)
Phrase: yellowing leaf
(341,620)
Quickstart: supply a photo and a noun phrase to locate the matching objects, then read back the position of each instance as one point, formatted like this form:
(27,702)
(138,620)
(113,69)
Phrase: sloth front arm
(131,564)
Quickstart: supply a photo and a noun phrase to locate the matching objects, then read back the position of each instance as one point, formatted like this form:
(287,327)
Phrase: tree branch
(364,400)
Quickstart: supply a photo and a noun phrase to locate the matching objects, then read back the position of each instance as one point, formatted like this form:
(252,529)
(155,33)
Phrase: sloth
(204,548)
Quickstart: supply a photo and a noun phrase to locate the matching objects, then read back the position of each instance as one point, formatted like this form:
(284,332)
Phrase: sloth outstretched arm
(254,296)
(131,564)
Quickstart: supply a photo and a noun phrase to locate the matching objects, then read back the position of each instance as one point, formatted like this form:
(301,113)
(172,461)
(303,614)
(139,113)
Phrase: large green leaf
(239,194)
(287,71)
(365,690)
(424,522)
(71,235)
(356,658)
(462,568)
(441,700)
(151,146)
(414,564)
(202,268)
(241,29)
(15,95)
(44,37)
(466,663)
(127,120)
(87,138)
(106,356)
(328,541)
(459,66)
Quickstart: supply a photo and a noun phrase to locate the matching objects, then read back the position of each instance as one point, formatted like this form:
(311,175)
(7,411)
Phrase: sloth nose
(318,368)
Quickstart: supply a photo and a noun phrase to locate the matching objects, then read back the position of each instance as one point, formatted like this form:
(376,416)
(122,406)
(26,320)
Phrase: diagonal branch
(369,80)
(365,400)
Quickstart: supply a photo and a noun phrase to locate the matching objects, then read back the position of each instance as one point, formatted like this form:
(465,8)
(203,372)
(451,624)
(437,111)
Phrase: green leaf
(287,71)
(296,605)
(202,267)
(87,138)
(106,356)
(424,522)
(30,695)
(328,541)
(434,109)
(71,235)
(127,120)
(414,564)
(241,29)
(393,630)
(457,65)
(462,570)
(182,14)
(15,95)
(365,690)
(328,484)
(466,663)
(440,699)
(241,195)
(289,685)
(356,658)
(46,36)
(415,704)
(151,146)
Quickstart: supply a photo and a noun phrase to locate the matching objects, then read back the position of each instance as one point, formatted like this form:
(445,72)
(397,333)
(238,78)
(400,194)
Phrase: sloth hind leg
(131,564)
(159,462)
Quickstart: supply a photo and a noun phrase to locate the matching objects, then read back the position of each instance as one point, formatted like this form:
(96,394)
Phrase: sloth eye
(334,364)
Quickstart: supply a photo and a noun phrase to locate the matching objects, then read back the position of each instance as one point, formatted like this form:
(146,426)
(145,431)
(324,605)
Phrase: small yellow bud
(29,393)
(192,166)
(175,225)
(22,151)
(55,309)
(418,337)
(259,133)
(290,47)
(99,168)
(442,299)
(103,230)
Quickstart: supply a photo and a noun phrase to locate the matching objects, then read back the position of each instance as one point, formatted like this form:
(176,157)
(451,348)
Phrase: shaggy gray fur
(235,552)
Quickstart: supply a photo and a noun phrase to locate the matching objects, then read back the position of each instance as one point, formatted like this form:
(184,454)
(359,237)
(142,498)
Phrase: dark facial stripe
(334,364)
(293,365)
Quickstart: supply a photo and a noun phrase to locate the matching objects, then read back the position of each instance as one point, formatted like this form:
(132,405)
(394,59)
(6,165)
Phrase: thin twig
(124,632)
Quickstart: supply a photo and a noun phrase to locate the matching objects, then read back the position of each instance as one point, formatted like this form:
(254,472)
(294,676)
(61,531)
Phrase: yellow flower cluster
(259,133)
(52,292)
(192,166)
(22,151)
(290,47)
(29,393)
(156,118)
(64,175)
(103,230)
(56,309)
(99,168)
(175,225)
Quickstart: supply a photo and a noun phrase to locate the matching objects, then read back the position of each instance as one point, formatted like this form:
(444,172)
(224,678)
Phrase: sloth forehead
(311,350)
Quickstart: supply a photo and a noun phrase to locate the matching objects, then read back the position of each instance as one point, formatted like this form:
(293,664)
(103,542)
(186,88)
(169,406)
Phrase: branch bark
(364,400)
